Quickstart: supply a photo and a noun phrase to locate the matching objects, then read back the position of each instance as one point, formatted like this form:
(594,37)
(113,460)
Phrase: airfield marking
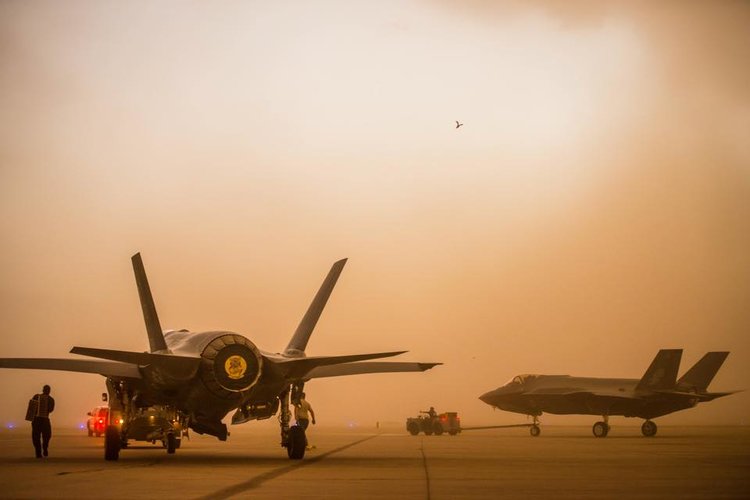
(84,471)
(266,476)
(426,470)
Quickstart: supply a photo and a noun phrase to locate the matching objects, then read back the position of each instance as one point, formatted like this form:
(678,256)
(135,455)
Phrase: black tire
(413,428)
(171,446)
(437,428)
(177,443)
(535,430)
(648,428)
(600,429)
(297,442)
(91,433)
(428,432)
(112,443)
(452,432)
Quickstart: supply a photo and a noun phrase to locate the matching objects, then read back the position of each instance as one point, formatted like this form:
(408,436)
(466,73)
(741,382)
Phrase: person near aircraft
(303,411)
(40,406)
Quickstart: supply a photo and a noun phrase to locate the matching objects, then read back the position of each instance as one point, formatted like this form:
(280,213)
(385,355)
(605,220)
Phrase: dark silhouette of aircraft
(192,380)
(657,393)
(459,124)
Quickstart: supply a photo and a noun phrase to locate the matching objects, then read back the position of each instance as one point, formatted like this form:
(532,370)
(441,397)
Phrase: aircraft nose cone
(488,397)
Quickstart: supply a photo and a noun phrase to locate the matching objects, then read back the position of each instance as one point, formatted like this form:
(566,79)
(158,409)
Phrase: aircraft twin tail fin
(155,335)
(702,373)
(662,374)
(299,340)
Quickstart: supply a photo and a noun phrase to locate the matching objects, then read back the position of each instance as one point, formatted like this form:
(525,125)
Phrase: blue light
(11,425)
(81,426)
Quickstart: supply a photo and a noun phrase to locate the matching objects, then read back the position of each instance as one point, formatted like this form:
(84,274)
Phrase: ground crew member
(303,411)
(431,412)
(41,429)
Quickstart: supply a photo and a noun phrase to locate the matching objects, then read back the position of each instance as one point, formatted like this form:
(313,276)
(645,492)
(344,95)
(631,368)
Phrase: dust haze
(593,209)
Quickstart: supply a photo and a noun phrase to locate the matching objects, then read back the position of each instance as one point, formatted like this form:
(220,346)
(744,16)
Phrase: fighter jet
(192,380)
(657,393)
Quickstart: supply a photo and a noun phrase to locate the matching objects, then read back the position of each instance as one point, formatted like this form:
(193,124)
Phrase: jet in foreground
(192,380)
(657,393)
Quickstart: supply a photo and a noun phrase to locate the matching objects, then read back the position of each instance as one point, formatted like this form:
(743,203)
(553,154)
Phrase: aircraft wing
(299,367)
(372,367)
(106,368)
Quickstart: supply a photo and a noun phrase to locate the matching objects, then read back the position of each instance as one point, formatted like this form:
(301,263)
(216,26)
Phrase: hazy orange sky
(594,208)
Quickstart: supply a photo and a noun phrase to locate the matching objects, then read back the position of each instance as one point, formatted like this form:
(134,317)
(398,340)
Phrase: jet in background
(194,379)
(657,393)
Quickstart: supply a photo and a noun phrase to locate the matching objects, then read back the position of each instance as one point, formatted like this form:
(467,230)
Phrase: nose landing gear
(534,429)
(601,429)
(648,428)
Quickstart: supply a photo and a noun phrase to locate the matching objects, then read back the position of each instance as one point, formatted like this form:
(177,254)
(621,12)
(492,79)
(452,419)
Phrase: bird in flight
(459,124)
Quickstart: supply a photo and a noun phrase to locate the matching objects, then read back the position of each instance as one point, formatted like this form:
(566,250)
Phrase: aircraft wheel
(648,428)
(297,443)
(171,447)
(600,429)
(437,428)
(413,428)
(535,430)
(112,443)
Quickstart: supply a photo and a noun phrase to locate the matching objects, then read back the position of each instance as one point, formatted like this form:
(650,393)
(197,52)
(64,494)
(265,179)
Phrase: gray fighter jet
(657,393)
(192,380)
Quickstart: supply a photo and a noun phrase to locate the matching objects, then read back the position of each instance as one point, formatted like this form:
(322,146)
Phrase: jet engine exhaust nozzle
(230,364)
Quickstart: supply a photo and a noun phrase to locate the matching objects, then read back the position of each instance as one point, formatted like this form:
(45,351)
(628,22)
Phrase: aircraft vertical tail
(662,374)
(298,343)
(153,328)
(702,373)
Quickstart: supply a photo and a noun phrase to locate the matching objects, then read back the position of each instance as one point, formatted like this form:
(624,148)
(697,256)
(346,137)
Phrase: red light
(101,421)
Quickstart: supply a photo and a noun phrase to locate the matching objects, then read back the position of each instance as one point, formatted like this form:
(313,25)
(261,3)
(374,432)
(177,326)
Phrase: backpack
(32,409)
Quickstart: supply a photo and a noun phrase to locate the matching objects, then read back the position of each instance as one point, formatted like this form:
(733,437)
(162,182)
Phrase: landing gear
(601,429)
(292,438)
(648,428)
(535,430)
(112,443)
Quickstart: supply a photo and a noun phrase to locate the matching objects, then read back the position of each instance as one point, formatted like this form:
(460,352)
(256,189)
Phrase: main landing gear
(648,428)
(601,429)
(292,438)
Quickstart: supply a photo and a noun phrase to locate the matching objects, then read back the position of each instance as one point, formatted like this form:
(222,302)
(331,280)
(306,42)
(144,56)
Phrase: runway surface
(564,462)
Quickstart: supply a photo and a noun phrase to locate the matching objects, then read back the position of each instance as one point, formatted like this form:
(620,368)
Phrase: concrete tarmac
(564,462)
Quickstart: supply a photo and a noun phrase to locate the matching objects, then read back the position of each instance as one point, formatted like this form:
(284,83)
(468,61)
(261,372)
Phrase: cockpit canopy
(521,379)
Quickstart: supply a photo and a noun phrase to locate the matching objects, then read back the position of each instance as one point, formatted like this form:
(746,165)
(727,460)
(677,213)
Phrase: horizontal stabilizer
(662,374)
(702,373)
(299,367)
(373,367)
(106,368)
(177,366)
(701,397)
